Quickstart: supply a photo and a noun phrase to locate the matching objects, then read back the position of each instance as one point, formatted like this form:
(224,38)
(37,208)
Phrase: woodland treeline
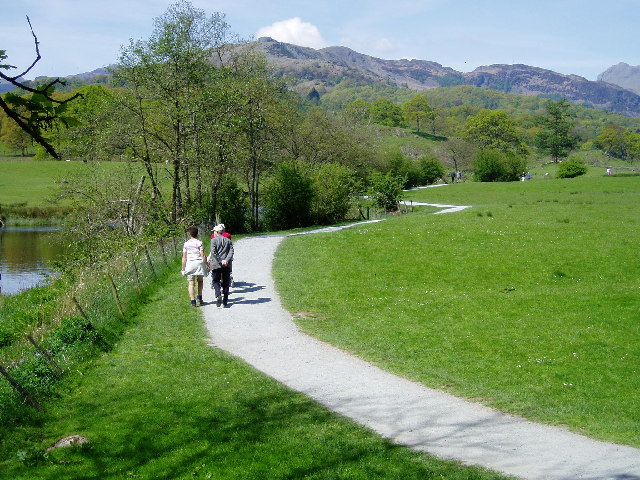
(212,134)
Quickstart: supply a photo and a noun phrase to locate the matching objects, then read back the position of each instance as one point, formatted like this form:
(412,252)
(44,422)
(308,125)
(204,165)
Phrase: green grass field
(165,405)
(34,184)
(529,301)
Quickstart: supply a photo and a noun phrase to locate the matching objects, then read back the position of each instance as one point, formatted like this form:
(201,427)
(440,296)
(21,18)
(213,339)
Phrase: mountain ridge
(327,64)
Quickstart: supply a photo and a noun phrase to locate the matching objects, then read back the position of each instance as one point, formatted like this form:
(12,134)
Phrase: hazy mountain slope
(623,75)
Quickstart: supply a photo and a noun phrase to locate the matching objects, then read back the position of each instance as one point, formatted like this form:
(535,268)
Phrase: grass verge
(527,302)
(164,404)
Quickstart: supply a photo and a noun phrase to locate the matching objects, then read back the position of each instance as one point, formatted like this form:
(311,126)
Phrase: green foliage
(494,129)
(385,112)
(35,110)
(231,206)
(418,113)
(497,166)
(18,313)
(400,166)
(557,139)
(574,167)
(618,142)
(385,190)
(334,187)
(288,197)
(431,169)
(358,111)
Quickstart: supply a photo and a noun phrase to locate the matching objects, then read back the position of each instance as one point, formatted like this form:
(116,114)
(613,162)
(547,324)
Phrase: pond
(25,256)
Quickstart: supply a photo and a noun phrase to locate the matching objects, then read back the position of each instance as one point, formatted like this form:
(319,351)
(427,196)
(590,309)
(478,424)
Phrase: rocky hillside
(330,65)
(623,75)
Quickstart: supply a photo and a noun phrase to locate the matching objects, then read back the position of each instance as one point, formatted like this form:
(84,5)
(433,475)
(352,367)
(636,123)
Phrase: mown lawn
(529,301)
(165,405)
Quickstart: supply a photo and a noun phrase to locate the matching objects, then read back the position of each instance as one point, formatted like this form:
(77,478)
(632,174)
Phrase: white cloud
(295,31)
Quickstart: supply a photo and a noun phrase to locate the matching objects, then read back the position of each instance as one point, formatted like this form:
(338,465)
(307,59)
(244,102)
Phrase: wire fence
(91,317)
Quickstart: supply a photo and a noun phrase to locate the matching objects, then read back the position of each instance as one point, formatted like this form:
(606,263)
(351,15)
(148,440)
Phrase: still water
(25,253)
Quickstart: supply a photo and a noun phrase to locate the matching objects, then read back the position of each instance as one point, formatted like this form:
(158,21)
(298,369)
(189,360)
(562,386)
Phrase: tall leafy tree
(385,112)
(418,112)
(165,74)
(557,138)
(618,142)
(494,129)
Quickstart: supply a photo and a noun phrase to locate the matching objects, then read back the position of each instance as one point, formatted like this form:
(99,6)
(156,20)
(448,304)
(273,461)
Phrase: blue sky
(581,37)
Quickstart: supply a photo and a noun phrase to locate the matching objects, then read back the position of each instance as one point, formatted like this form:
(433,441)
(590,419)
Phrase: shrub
(385,190)
(288,197)
(497,166)
(333,188)
(574,167)
(431,169)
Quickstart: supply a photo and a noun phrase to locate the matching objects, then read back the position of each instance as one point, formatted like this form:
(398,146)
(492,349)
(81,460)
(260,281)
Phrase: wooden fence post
(146,250)
(116,296)
(28,398)
(135,271)
(164,257)
(75,300)
(46,355)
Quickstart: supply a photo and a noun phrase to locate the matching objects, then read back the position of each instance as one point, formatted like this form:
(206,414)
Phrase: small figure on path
(459,176)
(228,235)
(194,265)
(453,177)
(220,260)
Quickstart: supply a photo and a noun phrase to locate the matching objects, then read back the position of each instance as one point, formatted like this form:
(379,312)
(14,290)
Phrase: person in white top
(194,265)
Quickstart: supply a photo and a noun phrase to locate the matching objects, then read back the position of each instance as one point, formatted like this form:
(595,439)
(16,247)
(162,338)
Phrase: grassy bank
(528,301)
(164,404)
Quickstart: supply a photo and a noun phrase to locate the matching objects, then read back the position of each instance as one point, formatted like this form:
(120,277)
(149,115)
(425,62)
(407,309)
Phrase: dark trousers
(221,276)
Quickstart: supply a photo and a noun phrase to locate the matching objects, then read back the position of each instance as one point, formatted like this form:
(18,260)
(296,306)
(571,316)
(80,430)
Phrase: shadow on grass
(429,136)
(258,434)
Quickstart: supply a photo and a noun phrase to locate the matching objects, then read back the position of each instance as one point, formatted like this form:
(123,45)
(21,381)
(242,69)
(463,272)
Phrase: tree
(358,111)
(459,152)
(417,112)
(494,129)
(39,110)
(557,138)
(618,142)
(385,112)
(165,76)
(403,167)
(262,119)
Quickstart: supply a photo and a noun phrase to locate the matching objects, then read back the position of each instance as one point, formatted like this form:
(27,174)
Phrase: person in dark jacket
(220,260)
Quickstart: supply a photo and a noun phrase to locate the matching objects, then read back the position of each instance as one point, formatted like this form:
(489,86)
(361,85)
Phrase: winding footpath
(258,330)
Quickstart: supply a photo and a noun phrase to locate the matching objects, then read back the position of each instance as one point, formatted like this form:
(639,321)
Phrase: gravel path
(257,329)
